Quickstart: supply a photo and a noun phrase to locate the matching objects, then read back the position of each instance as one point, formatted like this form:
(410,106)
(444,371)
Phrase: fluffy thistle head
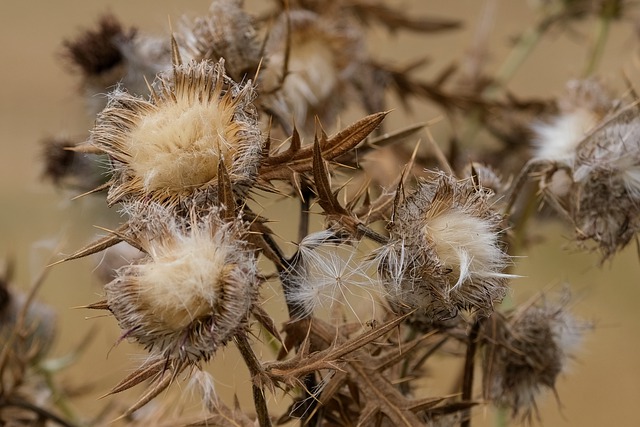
(444,253)
(324,273)
(191,293)
(526,351)
(605,204)
(584,105)
(227,32)
(320,54)
(168,148)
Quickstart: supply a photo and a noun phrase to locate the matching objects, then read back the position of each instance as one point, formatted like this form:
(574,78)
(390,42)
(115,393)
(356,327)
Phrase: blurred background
(39,97)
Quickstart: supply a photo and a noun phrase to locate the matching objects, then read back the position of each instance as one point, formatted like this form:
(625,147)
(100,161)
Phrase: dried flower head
(605,204)
(95,53)
(592,172)
(167,148)
(318,55)
(110,55)
(68,168)
(227,32)
(525,352)
(325,273)
(584,105)
(444,252)
(192,291)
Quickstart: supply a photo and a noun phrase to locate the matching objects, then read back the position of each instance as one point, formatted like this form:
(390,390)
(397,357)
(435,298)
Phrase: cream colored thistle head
(584,104)
(168,148)
(445,252)
(192,291)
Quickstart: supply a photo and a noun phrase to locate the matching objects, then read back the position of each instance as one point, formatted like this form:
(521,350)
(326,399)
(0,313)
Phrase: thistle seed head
(111,55)
(68,168)
(526,351)
(325,273)
(227,31)
(323,53)
(95,52)
(444,252)
(605,203)
(167,148)
(192,291)
(585,104)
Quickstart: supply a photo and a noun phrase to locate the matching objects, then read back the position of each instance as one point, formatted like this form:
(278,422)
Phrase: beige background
(38,97)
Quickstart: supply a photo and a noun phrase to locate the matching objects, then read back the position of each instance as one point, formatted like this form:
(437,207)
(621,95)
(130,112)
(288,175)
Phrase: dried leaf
(226,198)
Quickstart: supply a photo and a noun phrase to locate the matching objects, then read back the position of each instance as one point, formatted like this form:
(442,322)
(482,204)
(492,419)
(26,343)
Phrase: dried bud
(322,54)
(525,352)
(191,293)
(110,55)
(168,148)
(68,168)
(444,252)
(95,52)
(226,32)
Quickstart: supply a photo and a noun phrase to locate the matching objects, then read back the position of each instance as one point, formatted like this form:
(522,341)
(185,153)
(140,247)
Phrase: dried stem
(305,204)
(253,364)
(469,365)
(42,413)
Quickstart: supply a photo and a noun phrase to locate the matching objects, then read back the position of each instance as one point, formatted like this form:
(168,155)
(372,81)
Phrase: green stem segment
(597,49)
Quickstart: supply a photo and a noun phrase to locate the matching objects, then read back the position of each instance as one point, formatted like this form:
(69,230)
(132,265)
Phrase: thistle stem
(469,367)
(255,370)
(303,226)
(42,413)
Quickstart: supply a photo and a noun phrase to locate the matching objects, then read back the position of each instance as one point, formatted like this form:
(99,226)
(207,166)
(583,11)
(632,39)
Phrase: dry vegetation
(413,260)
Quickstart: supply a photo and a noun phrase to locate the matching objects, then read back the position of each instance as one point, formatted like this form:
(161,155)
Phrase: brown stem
(305,204)
(373,235)
(255,370)
(469,365)
(40,412)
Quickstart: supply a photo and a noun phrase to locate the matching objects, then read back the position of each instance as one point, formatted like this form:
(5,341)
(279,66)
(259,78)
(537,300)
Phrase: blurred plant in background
(234,107)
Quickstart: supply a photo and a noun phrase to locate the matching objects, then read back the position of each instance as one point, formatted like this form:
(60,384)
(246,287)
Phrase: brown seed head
(110,55)
(96,52)
(526,351)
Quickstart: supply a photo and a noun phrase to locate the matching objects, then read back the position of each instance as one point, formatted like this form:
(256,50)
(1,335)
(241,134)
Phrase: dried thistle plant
(526,350)
(233,107)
